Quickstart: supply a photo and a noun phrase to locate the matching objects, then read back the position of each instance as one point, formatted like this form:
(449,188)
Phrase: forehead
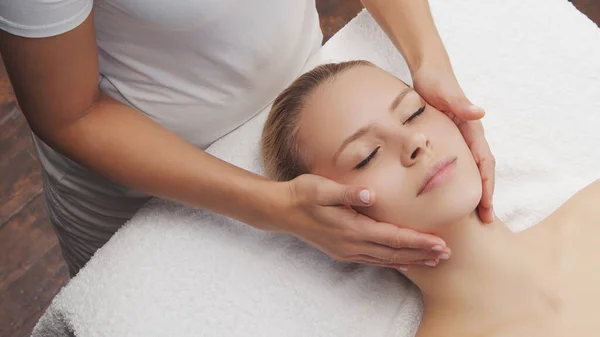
(357,88)
(335,110)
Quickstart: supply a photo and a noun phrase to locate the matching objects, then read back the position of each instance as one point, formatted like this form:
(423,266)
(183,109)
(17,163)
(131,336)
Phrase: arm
(55,80)
(410,26)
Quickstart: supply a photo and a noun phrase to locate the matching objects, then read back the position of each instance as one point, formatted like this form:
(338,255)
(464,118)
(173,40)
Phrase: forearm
(410,26)
(129,148)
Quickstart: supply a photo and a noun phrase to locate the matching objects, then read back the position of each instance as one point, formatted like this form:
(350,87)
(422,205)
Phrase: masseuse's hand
(318,211)
(439,87)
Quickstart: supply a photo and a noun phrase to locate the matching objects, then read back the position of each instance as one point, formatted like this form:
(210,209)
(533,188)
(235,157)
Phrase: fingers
(398,266)
(330,193)
(457,106)
(389,256)
(475,139)
(396,237)
(473,133)
(467,111)
(460,105)
(486,208)
(487,169)
(485,214)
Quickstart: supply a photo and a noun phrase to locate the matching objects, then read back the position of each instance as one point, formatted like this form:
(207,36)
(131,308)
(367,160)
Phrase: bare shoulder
(582,210)
(585,203)
(591,190)
(443,323)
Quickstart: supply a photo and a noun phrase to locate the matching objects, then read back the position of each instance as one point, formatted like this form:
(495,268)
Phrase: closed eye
(415,115)
(367,160)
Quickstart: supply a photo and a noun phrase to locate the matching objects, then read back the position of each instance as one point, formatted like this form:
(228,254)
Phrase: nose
(416,144)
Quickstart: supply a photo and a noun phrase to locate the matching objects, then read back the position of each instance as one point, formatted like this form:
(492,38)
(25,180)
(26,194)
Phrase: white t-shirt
(200,68)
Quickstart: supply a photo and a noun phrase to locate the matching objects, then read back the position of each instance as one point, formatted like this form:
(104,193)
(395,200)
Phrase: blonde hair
(279,145)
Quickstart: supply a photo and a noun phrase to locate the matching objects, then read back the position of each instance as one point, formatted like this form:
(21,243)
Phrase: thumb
(465,110)
(338,194)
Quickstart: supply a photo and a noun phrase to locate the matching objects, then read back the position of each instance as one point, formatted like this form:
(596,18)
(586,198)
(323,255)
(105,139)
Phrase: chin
(453,205)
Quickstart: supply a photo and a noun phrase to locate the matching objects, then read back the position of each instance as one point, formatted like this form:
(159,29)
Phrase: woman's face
(368,128)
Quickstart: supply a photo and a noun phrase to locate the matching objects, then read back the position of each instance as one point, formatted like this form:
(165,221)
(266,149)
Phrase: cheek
(441,131)
(394,196)
(463,193)
(447,139)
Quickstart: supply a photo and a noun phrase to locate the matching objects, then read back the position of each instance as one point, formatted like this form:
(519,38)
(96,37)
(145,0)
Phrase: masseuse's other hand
(318,211)
(439,87)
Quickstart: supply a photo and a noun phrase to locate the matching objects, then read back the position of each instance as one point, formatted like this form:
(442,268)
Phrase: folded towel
(178,271)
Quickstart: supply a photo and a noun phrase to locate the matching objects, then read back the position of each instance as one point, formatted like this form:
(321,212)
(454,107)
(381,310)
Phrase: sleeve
(42,18)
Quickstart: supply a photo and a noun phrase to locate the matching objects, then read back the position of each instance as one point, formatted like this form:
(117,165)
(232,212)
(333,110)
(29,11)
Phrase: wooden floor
(31,268)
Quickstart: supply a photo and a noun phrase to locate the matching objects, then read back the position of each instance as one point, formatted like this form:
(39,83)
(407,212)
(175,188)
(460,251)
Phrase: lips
(436,174)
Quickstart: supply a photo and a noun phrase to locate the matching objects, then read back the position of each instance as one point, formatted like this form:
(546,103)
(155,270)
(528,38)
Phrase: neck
(487,264)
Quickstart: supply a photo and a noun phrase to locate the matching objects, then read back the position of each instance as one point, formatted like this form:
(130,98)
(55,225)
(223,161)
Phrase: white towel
(175,271)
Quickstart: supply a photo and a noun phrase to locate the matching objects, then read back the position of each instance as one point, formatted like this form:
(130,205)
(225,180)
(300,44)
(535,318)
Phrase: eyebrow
(359,133)
(369,128)
(399,98)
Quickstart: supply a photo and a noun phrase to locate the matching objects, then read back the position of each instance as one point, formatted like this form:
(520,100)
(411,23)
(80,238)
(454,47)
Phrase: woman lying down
(540,282)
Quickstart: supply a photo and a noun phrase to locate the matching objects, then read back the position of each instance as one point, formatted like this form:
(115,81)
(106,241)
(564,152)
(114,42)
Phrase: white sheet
(175,271)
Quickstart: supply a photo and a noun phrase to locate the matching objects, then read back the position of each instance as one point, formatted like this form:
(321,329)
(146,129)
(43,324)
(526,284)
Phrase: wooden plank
(334,14)
(24,240)
(20,172)
(14,131)
(24,301)
(591,8)
(21,181)
(6,91)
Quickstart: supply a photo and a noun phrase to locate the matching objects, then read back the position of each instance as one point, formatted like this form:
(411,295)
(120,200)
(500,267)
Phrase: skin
(434,79)
(58,93)
(498,283)
(405,148)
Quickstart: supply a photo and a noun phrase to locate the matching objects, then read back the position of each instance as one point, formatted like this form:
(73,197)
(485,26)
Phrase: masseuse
(123,96)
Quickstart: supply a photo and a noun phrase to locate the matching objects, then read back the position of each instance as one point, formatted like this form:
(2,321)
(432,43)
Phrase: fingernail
(404,269)
(364,196)
(430,263)
(474,108)
(444,256)
(437,248)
